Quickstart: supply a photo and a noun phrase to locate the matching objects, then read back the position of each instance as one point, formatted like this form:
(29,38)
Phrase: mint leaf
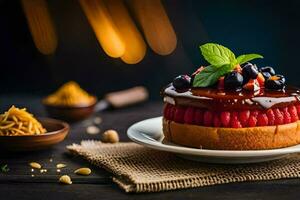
(210,75)
(217,55)
(4,168)
(247,57)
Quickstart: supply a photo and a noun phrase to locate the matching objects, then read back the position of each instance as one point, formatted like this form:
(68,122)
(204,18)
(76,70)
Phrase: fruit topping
(262,119)
(271,117)
(225,119)
(217,121)
(232,119)
(270,70)
(250,71)
(275,82)
(260,79)
(252,85)
(189,115)
(179,114)
(252,121)
(221,83)
(198,71)
(266,75)
(208,118)
(182,82)
(244,116)
(199,117)
(233,80)
(228,72)
(238,68)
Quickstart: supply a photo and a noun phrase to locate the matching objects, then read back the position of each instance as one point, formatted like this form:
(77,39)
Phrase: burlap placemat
(139,169)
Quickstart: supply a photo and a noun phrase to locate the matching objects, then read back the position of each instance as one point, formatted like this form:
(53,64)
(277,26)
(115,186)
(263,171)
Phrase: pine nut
(60,165)
(65,179)
(110,136)
(83,171)
(35,165)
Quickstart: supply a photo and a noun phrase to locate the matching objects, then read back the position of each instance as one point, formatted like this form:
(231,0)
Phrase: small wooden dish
(70,113)
(56,132)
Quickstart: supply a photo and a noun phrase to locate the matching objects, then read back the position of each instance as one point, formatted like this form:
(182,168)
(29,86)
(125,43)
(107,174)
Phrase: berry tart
(231,104)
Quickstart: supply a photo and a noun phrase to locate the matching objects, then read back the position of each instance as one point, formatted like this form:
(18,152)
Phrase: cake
(231,104)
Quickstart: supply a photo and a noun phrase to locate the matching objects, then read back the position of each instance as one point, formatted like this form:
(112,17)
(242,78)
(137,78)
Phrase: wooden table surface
(21,183)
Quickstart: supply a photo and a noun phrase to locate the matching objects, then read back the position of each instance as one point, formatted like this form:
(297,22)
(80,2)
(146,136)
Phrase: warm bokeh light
(40,25)
(156,25)
(135,47)
(106,31)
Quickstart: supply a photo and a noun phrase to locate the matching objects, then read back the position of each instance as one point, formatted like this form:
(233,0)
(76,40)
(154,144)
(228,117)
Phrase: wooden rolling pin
(123,98)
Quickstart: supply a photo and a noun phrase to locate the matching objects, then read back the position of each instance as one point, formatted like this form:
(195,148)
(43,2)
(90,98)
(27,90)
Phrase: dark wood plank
(288,189)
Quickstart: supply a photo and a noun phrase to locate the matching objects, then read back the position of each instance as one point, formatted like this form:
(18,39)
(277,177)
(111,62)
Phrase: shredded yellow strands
(70,94)
(17,122)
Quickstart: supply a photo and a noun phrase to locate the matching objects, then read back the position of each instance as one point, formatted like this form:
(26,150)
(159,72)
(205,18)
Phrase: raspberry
(217,121)
(189,115)
(262,119)
(235,115)
(235,123)
(244,116)
(286,116)
(208,118)
(252,121)
(271,117)
(198,117)
(179,114)
(167,111)
(278,116)
(254,113)
(293,112)
(298,109)
(225,119)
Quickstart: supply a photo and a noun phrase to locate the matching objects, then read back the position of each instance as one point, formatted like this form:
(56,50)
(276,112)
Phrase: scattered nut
(35,165)
(43,170)
(110,136)
(97,120)
(83,171)
(60,165)
(92,130)
(65,179)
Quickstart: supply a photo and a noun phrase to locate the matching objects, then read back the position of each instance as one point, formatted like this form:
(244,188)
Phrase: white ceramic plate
(149,133)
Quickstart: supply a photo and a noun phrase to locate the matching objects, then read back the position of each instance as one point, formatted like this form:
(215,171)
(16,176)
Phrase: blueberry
(182,82)
(250,71)
(233,80)
(268,69)
(275,82)
(266,75)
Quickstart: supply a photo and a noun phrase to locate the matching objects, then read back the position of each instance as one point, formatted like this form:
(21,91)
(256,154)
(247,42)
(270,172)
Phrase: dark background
(270,28)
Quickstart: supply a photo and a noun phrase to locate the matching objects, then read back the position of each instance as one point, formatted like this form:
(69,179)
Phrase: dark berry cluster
(248,77)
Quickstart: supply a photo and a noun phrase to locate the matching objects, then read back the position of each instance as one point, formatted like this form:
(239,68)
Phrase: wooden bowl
(56,132)
(70,113)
